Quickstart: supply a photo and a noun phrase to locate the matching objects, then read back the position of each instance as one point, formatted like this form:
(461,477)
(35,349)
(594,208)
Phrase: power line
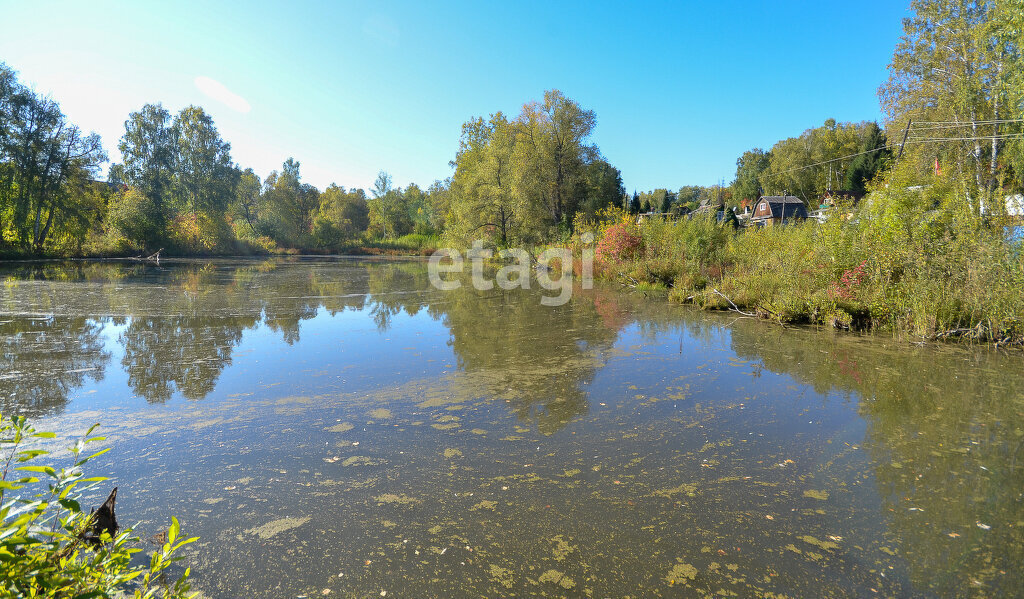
(1000,137)
(973,138)
(933,127)
(927,124)
(800,168)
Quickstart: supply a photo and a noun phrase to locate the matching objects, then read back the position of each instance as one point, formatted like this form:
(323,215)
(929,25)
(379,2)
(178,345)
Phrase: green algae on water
(558,578)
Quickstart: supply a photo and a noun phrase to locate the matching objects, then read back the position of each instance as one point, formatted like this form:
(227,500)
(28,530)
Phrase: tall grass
(915,261)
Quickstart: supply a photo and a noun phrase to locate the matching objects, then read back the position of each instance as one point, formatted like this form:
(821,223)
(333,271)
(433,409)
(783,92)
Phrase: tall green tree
(389,215)
(148,152)
(556,136)
(204,175)
(634,203)
(604,187)
(46,168)
(245,206)
(486,185)
(957,66)
(525,179)
(749,166)
(342,216)
(870,161)
(287,207)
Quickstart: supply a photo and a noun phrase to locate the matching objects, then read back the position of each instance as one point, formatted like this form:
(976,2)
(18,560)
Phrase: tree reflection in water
(182,321)
(945,438)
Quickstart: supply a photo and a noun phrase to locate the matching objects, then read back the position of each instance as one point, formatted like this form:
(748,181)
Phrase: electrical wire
(962,123)
(973,138)
(1000,137)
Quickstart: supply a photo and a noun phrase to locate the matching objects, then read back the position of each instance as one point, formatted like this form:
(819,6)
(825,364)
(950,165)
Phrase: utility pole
(902,143)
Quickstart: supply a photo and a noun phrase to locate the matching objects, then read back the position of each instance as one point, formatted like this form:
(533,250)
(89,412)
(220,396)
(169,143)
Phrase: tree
(603,187)
(666,201)
(148,154)
(418,207)
(245,206)
(341,216)
(555,135)
(45,165)
(135,218)
(870,161)
(749,166)
(389,215)
(288,206)
(957,64)
(204,176)
(440,202)
(816,161)
(486,186)
(634,204)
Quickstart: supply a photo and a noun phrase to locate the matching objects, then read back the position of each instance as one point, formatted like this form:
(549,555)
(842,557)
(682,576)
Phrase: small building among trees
(773,210)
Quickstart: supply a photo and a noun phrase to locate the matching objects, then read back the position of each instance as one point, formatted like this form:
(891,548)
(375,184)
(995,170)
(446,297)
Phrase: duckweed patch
(502,576)
(681,572)
(562,548)
(276,527)
(361,460)
(557,578)
(814,541)
(688,489)
(396,499)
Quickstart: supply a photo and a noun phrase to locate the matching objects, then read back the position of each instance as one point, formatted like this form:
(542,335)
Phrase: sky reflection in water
(338,424)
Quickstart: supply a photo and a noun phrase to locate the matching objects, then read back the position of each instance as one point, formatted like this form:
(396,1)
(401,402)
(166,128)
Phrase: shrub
(911,259)
(47,547)
(620,241)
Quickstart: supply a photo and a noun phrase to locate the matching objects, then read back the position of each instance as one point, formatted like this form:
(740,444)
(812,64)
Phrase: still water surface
(339,428)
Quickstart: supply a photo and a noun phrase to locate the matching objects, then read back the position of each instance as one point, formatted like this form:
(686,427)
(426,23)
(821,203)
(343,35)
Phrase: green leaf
(173,531)
(97,454)
(24,456)
(70,504)
(42,469)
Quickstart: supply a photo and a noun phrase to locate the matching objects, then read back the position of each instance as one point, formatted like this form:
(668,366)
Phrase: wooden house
(777,210)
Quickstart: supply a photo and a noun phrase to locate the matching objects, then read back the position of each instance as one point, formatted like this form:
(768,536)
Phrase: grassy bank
(913,262)
(407,245)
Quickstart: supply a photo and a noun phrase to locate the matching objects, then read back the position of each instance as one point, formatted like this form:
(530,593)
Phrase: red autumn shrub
(620,242)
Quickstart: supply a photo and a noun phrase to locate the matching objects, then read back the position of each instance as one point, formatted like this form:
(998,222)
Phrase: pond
(339,427)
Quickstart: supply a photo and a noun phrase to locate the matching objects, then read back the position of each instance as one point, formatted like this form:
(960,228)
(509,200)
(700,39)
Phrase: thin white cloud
(216,90)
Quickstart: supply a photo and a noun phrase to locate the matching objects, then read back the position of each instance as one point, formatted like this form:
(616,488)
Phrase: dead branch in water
(734,308)
(633,282)
(154,257)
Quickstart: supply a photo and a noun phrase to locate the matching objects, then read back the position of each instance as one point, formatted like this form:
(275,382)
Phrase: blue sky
(680,89)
